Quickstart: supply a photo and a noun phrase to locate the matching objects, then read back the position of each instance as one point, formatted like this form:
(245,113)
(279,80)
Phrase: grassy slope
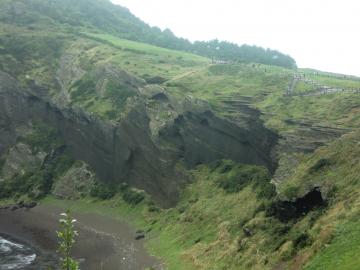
(147,60)
(331,79)
(198,234)
(341,109)
(32,55)
(337,230)
(336,233)
(343,251)
(337,110)
(221,83)
(205,230)
(219,80)
(206,220)
(326,79)
(139,60)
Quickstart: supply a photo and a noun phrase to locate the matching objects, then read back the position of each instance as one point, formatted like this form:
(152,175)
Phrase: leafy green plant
(234,179)
(66,237)
(133,196)
(102,191)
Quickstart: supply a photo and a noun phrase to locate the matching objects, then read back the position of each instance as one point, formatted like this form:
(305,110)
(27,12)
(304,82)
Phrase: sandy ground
(103,243)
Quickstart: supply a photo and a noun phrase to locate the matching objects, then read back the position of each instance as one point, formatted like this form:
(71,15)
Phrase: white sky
(321,34)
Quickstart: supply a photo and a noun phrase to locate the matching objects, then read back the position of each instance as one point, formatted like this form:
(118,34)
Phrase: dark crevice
(290,210)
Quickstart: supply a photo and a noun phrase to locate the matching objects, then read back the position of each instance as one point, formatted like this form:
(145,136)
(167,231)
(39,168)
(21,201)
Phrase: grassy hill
(105,62)
(103,17)
(148,61)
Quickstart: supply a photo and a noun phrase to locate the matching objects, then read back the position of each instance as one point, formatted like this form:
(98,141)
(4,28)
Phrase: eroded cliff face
(203,138)
(144,147)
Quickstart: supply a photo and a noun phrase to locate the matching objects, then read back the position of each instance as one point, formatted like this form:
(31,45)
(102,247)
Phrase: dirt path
(186,74)
(103,243)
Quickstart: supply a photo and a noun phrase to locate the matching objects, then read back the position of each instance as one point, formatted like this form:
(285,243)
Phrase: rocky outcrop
(19,205)
(307,136)
(69,71)
(128,151)
(75,183)
(204,138)
(304,137)
(18,158)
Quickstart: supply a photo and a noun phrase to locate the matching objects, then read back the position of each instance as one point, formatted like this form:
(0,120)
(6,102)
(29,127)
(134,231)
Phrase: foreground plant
(66,237)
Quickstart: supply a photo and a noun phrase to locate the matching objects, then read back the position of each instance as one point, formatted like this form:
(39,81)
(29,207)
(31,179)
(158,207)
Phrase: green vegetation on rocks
(149,95)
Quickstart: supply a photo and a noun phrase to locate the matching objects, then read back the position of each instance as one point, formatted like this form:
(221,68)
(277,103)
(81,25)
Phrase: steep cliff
(130,150)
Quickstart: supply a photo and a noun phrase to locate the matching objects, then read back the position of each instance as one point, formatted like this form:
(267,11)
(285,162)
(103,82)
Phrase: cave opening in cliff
(289,210)
(310,201)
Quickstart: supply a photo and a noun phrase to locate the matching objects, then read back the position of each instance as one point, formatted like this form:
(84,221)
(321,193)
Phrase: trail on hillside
(186,74)
(319,88)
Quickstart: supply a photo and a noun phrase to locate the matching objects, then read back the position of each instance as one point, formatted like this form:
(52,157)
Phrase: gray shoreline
(43,260)
(103,243)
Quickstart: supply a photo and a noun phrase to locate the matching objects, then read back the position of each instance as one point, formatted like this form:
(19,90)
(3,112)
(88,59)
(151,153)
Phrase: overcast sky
(322,34)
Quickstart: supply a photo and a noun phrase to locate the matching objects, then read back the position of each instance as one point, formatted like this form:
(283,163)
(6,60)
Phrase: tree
(66,237)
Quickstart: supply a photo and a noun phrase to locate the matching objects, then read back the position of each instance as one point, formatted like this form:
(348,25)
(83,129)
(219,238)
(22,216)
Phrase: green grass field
(149,61)
(143,48)
(342,252)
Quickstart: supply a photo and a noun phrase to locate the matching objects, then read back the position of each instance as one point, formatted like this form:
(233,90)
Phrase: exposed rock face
(129,151)
(9,107)
(203,138)
(69,71)
(110,73)
(75,182)
(308,136)
(20,157)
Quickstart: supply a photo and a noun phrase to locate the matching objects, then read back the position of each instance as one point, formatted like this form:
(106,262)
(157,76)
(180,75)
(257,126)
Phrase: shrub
(155,80)
(236,178)
(111,114)
(266,190)
(63,164)
(152,207)
(35,183)
(118,93)
(320,164)
(5,191)
(226,168)
(291,192)
(102,191)
(84,86)
(133,196)
(123,186)
(301,240)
